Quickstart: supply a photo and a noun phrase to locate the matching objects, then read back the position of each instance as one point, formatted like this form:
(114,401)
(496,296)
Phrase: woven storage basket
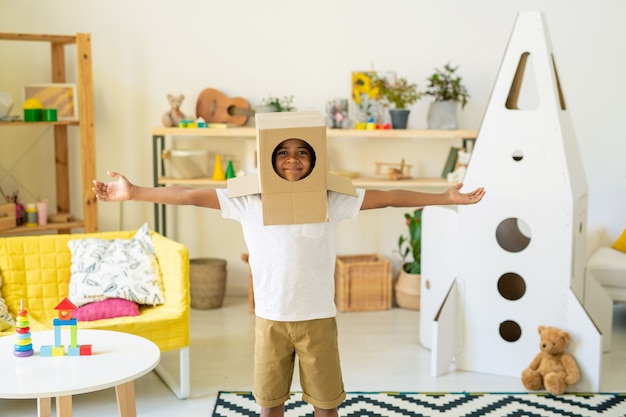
(207,279)
(362,283)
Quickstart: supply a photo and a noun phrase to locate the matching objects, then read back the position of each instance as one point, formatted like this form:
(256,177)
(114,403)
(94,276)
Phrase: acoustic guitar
(215,107)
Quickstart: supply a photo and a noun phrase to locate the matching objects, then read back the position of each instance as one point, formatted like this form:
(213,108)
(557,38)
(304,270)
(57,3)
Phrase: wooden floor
(380,352)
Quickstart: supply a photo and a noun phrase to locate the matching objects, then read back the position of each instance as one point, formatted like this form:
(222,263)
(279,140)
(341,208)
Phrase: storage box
(362,283)
(186,163)
(7,216)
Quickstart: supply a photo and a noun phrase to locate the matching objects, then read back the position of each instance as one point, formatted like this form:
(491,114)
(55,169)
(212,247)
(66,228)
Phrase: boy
(293,272)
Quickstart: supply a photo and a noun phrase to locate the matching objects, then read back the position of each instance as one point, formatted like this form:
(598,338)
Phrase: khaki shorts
(315,343)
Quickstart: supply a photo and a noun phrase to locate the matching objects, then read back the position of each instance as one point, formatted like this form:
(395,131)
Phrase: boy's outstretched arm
(120,189)
(405,198)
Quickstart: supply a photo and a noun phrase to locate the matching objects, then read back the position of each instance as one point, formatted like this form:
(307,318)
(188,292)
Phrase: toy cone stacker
(23,340)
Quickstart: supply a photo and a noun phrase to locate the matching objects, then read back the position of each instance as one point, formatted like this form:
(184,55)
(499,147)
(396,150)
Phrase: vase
(442,114)
(399,118)
(407,290)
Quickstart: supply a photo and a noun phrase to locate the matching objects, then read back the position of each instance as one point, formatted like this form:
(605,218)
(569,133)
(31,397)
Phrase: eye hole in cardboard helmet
(303,144)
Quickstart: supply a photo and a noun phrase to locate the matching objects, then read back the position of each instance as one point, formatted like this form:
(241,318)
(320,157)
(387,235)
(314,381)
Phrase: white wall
(143,50)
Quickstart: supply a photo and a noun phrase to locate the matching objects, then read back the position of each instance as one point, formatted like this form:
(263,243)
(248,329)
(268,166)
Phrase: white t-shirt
(292,265)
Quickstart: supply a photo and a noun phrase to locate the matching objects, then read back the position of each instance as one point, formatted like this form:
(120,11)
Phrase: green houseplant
(447,87)
(399,95)
(407,285)
(412,244)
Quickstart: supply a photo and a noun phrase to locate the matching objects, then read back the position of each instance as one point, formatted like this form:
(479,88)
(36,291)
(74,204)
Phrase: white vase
(407,290)
(442,115)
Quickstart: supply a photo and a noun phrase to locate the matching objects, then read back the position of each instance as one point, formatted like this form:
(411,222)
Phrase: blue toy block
(45,351)
(57,336)
(68,322)
(73,351)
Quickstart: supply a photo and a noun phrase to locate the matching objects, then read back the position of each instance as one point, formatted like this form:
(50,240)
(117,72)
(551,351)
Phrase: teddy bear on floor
(552,368)
(172,117)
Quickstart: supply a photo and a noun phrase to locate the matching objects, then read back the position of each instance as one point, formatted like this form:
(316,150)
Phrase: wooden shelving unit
(159,135)
(85,122)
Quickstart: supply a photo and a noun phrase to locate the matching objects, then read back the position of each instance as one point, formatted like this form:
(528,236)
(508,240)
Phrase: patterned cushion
(118,268)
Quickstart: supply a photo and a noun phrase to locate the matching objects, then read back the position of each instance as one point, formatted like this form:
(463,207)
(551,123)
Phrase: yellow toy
(552,368)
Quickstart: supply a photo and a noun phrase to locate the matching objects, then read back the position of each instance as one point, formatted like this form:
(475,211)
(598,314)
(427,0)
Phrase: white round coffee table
(117,359)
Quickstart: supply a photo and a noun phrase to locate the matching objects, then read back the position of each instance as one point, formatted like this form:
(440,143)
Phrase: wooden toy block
(58,351)
(45,351)
(73,351)
(57,336)
(64,322)
(73,336)
(65,319)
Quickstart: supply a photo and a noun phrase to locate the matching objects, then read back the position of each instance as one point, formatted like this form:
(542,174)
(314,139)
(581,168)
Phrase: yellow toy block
(58,351)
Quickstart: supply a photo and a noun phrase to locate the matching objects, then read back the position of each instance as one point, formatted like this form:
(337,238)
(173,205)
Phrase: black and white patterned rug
(463,404)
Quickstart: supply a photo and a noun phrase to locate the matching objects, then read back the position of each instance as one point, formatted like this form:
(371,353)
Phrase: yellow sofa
(36,269)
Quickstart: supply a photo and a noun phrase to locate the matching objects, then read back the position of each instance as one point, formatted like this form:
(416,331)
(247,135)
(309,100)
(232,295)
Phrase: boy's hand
(117,190)
(472,197)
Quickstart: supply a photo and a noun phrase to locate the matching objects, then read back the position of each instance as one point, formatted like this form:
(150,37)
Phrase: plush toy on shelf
(552,368)
(173,117)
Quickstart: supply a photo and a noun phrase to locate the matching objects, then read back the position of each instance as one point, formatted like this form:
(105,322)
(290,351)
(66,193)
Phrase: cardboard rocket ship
(495,271)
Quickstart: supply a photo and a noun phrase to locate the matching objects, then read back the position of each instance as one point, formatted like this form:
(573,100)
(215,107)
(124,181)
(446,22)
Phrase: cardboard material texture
(291,202)
(7,216)
(517,258)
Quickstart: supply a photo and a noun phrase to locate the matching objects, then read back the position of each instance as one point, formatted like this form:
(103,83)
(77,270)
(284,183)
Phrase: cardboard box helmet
(291,202)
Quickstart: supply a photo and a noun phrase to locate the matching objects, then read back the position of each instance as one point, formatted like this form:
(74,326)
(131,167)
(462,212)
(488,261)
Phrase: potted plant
(278,104)
(398,94)
(448,90)
(407,286)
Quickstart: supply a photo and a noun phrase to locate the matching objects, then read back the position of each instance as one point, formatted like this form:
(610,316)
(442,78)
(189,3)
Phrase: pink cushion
(106,309)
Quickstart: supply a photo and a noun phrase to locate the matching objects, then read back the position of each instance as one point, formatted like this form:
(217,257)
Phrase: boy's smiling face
(293,159)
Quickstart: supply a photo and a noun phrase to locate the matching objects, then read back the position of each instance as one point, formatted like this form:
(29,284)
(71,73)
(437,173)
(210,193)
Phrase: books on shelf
(451,162)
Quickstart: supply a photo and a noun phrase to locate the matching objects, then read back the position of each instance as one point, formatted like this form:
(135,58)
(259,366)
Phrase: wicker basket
(362,283)
(207,279)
